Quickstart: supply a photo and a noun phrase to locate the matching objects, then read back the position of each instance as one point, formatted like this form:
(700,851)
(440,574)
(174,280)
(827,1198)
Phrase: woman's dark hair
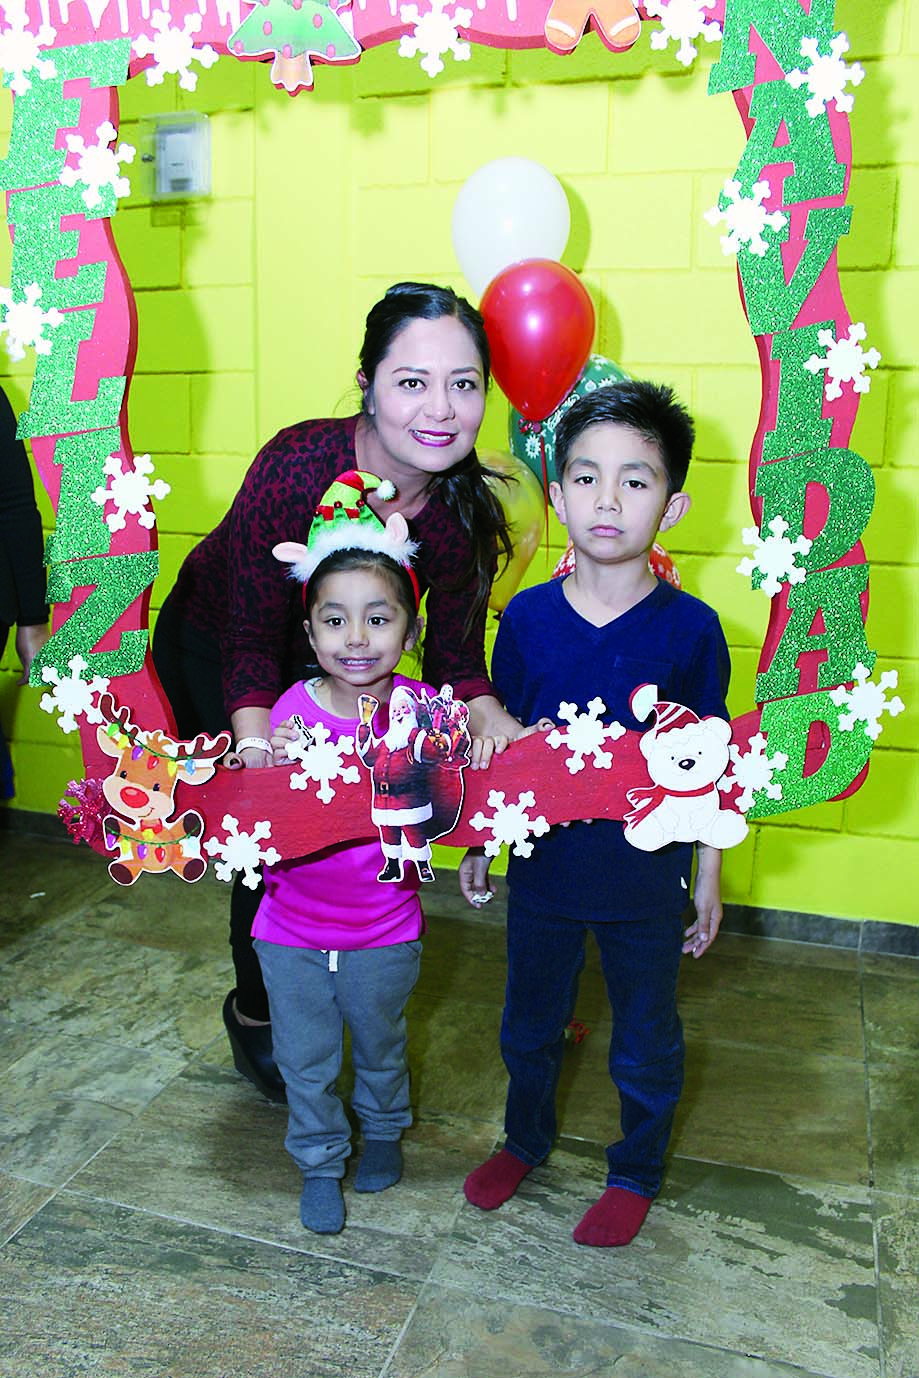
(418,301)
(343,561)
(463,489)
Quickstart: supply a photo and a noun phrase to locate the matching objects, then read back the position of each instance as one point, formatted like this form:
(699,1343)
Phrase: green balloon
(528,439)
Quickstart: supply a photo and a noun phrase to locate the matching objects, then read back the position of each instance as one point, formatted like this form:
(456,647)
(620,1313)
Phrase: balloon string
(545,484)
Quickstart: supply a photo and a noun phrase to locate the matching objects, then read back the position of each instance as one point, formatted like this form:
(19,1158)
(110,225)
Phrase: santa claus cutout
(416,767)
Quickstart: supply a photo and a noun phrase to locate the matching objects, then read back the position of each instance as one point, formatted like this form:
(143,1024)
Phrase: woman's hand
(251,732)
(473,877)
(493,729)
(29,641)
(484,748)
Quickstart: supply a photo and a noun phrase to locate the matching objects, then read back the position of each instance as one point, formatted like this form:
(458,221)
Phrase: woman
(230,638)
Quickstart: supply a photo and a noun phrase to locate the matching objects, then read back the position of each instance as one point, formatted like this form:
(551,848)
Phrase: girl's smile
(359,632)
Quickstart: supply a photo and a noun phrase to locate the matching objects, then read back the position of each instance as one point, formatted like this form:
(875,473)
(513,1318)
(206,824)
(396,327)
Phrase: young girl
(337,947)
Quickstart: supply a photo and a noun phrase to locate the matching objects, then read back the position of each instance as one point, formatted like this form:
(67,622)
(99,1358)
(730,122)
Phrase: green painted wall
(250,308)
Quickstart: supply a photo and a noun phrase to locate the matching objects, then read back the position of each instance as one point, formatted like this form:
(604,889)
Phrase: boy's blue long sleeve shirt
(545,654)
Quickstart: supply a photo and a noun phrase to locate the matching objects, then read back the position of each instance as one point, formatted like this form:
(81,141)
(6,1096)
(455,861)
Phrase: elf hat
(344,521)
(668,715)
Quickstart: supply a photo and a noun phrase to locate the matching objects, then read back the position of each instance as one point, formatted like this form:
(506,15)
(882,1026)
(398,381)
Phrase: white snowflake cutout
(746,218)
(510,824)
(753,771)
(242,851)
(845,361)
(130,492)
(435,32)
(866,701)
(682,20)
(774,556)
(20,49)
(98,165)
(72,697)
(173,49)
(585,735)
(322,760)
(827,76)
(23,322)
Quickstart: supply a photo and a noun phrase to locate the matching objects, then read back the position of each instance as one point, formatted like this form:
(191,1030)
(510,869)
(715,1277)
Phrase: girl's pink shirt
(332,900)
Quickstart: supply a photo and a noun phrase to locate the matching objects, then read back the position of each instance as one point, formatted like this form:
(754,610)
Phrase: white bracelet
(260,742)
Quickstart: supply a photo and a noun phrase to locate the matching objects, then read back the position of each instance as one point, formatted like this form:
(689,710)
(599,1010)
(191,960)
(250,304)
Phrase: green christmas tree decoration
(294,31)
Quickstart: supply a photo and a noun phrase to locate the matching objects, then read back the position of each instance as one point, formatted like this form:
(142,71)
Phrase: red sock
(613,1220)
(495,1182)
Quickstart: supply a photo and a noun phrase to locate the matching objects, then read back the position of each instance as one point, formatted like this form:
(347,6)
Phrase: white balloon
(508,211)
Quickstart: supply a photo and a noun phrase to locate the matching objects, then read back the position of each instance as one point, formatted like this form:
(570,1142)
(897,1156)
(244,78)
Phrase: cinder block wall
(251,304)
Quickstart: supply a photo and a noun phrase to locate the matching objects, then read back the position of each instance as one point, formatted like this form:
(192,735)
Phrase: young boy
(621,456)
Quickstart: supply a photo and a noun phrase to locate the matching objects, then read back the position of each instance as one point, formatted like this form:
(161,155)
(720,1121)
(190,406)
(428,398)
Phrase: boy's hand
(707,899)
(473,877)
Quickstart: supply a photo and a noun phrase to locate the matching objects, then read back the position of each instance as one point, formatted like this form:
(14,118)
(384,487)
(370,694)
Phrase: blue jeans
(313,995)
(640,964)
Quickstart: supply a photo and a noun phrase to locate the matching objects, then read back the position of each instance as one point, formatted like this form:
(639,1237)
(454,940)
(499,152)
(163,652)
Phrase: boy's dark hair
(650,409)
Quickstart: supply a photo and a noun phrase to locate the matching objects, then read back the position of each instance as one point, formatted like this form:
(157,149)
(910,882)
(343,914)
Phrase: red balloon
(539,319)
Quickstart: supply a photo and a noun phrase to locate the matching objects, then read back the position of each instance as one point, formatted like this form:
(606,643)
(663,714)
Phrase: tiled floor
(149,1212)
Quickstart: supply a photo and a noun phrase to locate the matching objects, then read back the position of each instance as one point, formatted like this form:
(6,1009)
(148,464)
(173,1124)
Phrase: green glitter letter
(772,303)
(800,424)
(51,410)
(118,580)
(81,529)
(781,24)
(787,726)
(835,594)
(849,484)
(41,111)
(810,145)
(40,244)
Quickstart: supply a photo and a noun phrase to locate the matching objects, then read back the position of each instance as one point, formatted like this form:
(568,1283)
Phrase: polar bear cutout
(686,756)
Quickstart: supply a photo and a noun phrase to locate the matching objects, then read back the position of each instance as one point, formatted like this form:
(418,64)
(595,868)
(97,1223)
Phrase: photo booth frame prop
(782,211)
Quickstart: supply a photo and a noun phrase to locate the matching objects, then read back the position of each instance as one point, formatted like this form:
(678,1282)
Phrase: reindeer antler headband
(343,520)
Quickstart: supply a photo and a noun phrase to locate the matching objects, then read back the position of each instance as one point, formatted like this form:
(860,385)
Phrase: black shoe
(252,1053)
(424,870)
(392,870)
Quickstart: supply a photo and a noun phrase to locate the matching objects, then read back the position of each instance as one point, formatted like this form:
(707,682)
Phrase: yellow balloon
(525,509)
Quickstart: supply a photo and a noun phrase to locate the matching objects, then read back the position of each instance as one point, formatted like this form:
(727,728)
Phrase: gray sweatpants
(313,995)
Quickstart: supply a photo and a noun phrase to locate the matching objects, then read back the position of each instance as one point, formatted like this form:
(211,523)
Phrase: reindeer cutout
(142,786)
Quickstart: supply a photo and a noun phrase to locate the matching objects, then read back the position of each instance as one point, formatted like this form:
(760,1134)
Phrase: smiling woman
(230,636)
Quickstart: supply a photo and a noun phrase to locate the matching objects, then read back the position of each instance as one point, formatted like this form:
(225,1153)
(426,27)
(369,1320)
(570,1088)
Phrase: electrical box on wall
(178,150)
